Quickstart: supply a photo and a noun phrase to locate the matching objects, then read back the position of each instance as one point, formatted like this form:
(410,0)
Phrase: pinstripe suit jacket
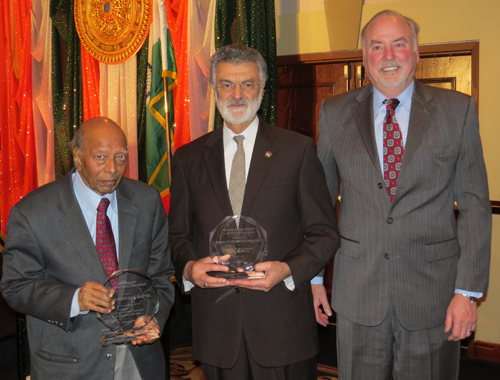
(412,253)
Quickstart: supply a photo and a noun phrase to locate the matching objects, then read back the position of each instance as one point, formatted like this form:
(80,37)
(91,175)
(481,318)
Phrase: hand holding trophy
(136,304)
(238,246)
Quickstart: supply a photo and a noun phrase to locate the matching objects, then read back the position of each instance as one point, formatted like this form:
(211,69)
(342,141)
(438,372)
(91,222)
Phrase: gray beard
(249,114)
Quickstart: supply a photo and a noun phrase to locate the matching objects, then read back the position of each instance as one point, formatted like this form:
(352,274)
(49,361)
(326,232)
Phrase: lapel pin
(268,154)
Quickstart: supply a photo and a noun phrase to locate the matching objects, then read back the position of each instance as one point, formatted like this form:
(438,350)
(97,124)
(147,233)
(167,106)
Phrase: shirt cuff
(188,285)
(75,305)
(317,281)
(478,295)
(289,283)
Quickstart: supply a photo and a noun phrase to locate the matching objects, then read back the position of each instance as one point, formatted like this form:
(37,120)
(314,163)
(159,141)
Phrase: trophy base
(111,339)
(238,275)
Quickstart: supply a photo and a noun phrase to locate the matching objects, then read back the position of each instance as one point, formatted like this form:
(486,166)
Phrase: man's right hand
(96,297)
(320,299)
(196,273)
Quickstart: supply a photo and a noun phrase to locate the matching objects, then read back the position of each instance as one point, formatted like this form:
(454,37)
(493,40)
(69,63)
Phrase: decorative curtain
(177,20)
(251,23)
(18,173)
(50,84)
(66,82)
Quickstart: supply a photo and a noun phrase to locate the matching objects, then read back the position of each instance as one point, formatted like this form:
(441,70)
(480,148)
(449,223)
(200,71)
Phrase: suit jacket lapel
(214,162)
(421,115)
(75,228)
(362,114)
(127,219)
(261,160)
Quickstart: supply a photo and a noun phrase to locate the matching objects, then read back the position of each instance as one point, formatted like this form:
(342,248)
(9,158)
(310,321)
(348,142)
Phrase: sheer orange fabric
(18,174)
(90,85)
(177,19)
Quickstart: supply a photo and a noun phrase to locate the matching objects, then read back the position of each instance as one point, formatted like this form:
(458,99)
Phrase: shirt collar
(404,98)
(89,199)
(250,133)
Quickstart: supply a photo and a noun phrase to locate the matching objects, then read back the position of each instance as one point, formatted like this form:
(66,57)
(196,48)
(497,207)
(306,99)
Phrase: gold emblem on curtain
(112,30)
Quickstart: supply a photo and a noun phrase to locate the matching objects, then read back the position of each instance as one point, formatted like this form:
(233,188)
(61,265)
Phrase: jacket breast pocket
(56,357)
(350,248)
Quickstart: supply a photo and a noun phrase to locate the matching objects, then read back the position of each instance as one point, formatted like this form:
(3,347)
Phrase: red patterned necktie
(393,148)
(104,239)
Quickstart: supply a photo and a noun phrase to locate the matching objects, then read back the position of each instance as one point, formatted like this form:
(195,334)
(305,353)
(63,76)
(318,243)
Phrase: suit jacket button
(386,256)
(109,356)
(389,220)
(380,186)
(236,290)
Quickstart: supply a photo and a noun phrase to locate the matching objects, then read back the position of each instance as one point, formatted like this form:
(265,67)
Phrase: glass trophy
(136,304)
(238,246)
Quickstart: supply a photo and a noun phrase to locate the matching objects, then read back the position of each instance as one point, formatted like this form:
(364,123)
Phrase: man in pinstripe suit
(407,274)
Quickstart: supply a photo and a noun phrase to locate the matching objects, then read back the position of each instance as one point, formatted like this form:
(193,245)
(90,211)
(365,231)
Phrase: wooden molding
(495,207)
(484,351)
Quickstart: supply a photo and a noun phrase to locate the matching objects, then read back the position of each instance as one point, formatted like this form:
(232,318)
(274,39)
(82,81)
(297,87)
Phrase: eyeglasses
(245,86)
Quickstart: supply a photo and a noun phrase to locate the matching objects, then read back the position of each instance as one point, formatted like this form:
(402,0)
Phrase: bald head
(95,122)
(100,154)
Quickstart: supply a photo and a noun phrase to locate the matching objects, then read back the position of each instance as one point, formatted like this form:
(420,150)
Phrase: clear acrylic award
(136,304)
(239,247)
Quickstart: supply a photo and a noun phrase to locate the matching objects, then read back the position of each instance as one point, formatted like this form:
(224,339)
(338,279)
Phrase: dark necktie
(393,148)
(237,178)
(104,239)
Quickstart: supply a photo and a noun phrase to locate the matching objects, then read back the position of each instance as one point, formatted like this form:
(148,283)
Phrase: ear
(77,158)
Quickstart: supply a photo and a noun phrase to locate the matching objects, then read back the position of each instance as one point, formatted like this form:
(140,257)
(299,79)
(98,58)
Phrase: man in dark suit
(407,274)
(262,328)
(53,273)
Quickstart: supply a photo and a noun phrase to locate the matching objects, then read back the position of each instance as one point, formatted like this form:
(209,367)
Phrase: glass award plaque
(239,247)
(136,304)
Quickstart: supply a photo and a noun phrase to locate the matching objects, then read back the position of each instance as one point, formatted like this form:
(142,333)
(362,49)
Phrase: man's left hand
(151,332)
(276,271)
(461,316)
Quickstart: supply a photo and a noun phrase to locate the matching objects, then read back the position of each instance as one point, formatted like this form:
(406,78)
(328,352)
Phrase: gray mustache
(237,102)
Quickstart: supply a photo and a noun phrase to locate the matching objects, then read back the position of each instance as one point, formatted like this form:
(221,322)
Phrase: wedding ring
(205,285)
(468,331)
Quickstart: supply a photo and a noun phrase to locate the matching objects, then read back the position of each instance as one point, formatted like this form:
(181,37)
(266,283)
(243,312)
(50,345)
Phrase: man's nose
(237,93)
(388,54)
(110,166)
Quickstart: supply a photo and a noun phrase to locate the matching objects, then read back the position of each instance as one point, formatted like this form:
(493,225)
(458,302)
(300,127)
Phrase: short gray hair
(77,141)
(238,54)
(414,27)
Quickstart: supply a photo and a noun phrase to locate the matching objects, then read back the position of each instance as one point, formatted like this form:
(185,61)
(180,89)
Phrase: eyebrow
(396,40)
(243,81)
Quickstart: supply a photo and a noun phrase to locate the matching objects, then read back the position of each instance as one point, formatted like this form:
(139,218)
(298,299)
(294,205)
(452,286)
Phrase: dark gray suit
(408,256)
(285,193)
(49,253)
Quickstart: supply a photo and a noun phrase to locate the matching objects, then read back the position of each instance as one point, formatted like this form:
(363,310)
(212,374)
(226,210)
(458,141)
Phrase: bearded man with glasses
(260,328)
